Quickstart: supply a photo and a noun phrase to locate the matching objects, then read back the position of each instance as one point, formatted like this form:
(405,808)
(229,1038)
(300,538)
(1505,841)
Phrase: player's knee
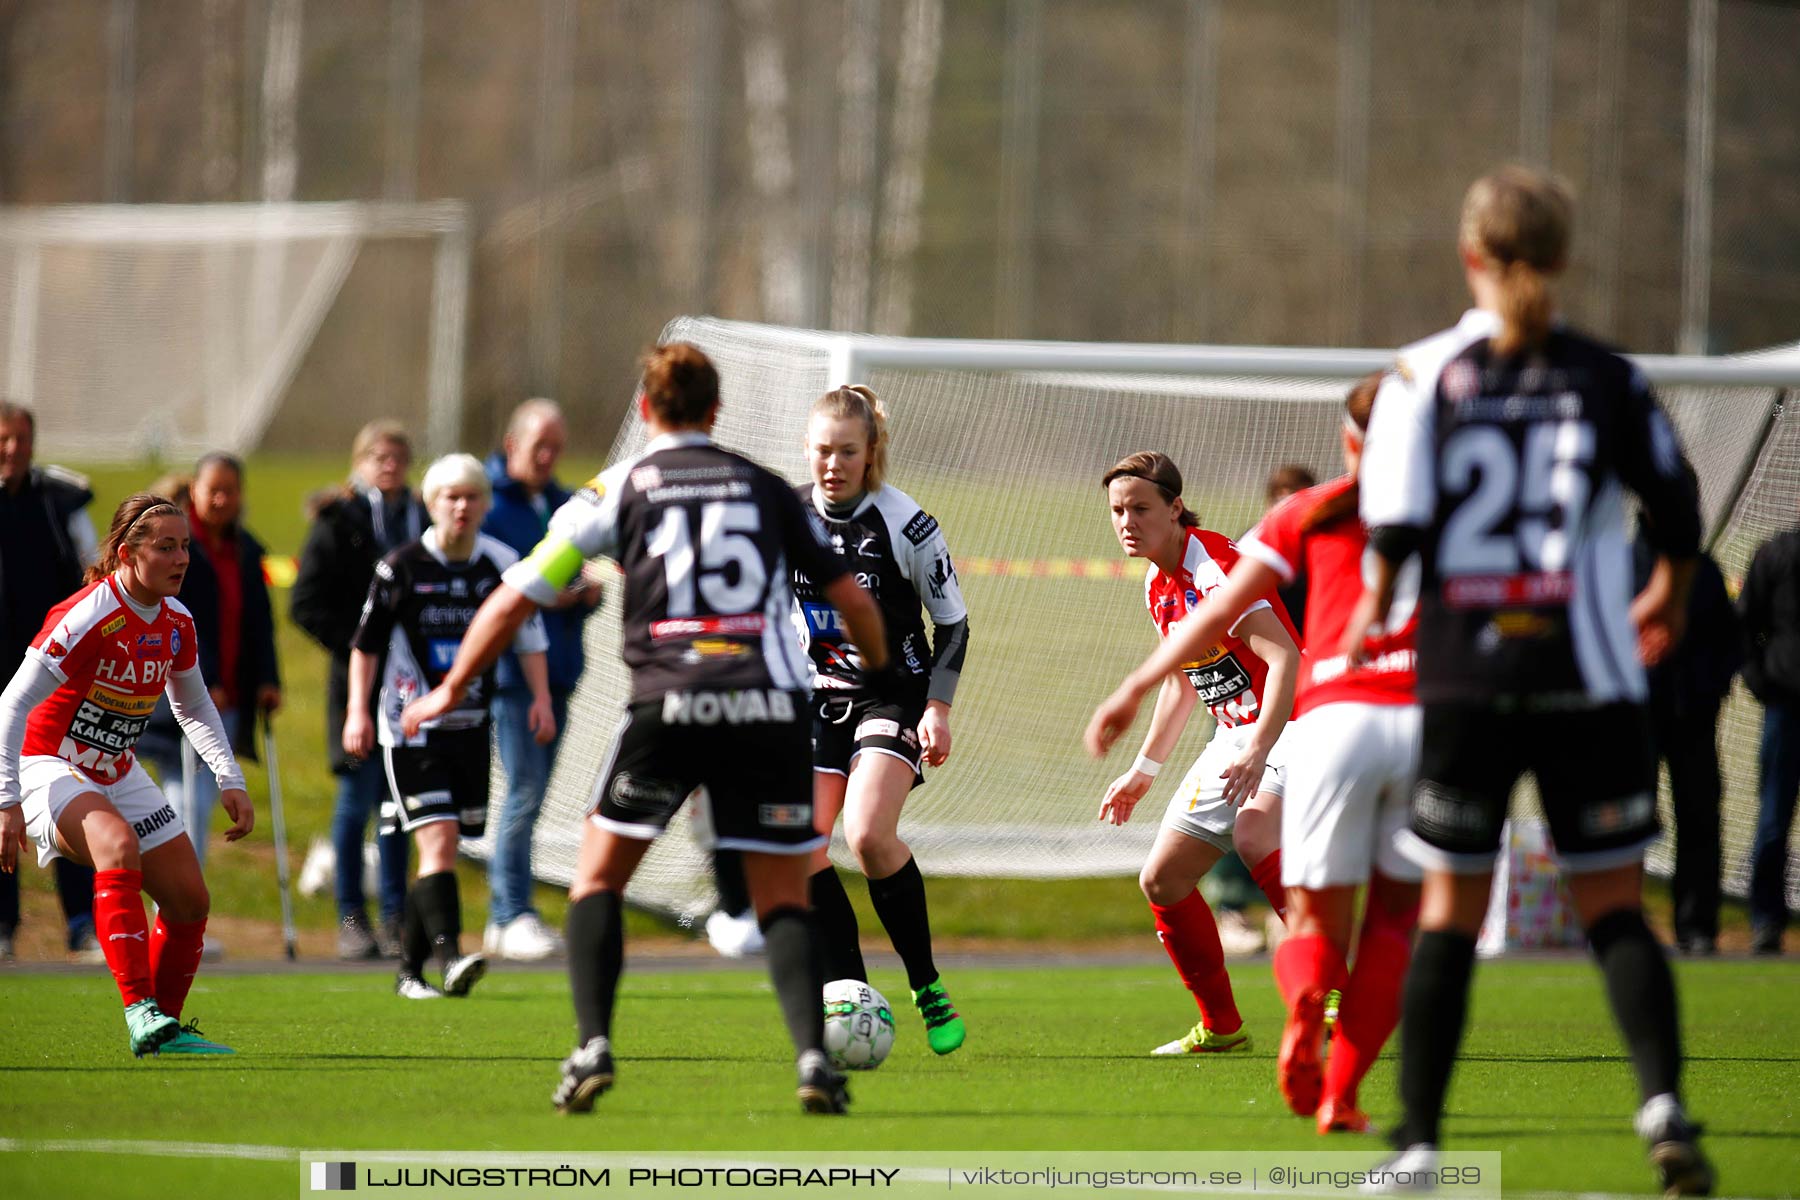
(111,844)
(871,846)
(1254,836)
(1158,888)
(190,904)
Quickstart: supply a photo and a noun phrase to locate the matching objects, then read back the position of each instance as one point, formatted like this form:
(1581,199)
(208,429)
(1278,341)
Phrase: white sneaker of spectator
(735,937)
(1237,936)
(527,939)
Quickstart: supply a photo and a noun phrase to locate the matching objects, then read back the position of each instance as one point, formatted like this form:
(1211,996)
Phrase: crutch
(280,822)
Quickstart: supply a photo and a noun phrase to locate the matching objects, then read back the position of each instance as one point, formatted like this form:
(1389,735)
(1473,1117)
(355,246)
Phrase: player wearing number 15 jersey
(1244,674)
(707,540)
(1501,455)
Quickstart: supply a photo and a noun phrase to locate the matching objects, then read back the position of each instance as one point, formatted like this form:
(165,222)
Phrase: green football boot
(1201,1040)
(191,1041)
(1333,999)
(943,1028)
(150,1027)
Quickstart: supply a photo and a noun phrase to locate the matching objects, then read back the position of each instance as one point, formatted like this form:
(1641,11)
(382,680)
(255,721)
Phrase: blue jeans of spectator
(359,796)
(526,766)
(1779,788)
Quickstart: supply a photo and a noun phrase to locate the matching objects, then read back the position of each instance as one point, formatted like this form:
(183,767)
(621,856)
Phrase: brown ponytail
(857,402)
(129,527)
(1158,470)
(1517,221)
(1359,406)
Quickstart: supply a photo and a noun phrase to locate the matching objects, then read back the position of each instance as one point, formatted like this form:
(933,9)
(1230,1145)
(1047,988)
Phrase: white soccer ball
(859,1026)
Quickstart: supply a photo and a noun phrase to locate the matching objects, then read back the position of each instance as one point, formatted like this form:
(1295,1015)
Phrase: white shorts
(1198,807)
(1349,785)
(48,783)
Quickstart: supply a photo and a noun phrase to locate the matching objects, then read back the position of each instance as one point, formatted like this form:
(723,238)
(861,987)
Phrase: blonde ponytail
(1517,222)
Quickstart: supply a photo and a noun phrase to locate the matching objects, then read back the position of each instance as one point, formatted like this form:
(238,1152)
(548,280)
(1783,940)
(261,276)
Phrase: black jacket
(39,564)
(1697,674)
(1770,608)
(336,565)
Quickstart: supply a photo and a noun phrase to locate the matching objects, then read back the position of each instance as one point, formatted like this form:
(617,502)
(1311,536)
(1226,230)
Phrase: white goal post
(141,331)
(1005,442)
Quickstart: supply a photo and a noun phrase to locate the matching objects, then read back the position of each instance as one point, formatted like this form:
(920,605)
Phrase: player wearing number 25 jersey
(1501,453)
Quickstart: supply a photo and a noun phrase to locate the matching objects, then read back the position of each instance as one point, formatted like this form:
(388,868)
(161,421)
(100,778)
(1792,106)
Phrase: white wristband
(1146,766)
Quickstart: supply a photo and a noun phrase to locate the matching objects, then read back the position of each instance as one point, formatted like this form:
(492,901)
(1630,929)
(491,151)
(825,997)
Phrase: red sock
(1371,1005)
(1191,937)
(174,957)
(1267,875)
(124,935)
(1307,964)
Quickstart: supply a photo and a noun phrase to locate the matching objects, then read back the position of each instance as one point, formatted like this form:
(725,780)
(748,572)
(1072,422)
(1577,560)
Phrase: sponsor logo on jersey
(1506,591)
(822,621)
(434,588)
(174,642)
(753,706)
(113,671)
(1519,625)
(442,652)
(113,626)
(1193,599)
(922,526)
(785,816)
(1461,380)
(648,795)
(1441,811)
(1617,816)
(875,727)
(748,624)
(155,821)
(55,649)
(459,586)
(712,647)
(642,478)
(942,572)
(384,570)
(1218,680)
(458,615)
(865,543)
(146,645)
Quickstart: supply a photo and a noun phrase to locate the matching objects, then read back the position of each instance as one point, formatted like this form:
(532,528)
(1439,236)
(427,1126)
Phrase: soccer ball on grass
(859,1026)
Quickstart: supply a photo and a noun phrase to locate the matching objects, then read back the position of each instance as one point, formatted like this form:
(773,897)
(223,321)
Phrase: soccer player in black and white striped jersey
(708,541)
(1500,453)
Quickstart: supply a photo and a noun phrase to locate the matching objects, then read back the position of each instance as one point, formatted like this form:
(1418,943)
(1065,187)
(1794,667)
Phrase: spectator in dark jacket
(1686,690)
(352,529)
(46,542)
(525,494)
(1770,608)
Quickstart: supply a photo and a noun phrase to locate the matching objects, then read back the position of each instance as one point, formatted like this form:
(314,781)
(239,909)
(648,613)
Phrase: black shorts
(748,749)
(847,724)
(446,779)
(1596,778)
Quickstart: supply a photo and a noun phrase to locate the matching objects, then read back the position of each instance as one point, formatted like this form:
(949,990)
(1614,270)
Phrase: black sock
(596,936)
(839,940)
(791,938)
(440,909)
(415,943)
(728,874)
(900,903)
(1435,1006)
(1642,991)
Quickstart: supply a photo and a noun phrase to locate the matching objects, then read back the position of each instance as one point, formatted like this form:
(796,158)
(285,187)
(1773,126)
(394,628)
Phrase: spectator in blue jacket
(523,474)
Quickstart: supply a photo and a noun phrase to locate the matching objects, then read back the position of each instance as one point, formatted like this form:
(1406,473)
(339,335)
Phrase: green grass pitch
(1055,1060)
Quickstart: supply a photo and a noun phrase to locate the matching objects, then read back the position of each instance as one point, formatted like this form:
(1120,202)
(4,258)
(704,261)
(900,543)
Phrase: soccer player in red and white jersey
(1231,796)
(1351,755)
(70,782)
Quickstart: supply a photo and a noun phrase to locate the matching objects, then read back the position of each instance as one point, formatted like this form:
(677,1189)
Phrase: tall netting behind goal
(1005,444)
(165,331)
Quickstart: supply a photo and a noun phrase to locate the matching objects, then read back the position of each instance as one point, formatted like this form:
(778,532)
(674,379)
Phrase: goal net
(165,331)
(1005,443)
